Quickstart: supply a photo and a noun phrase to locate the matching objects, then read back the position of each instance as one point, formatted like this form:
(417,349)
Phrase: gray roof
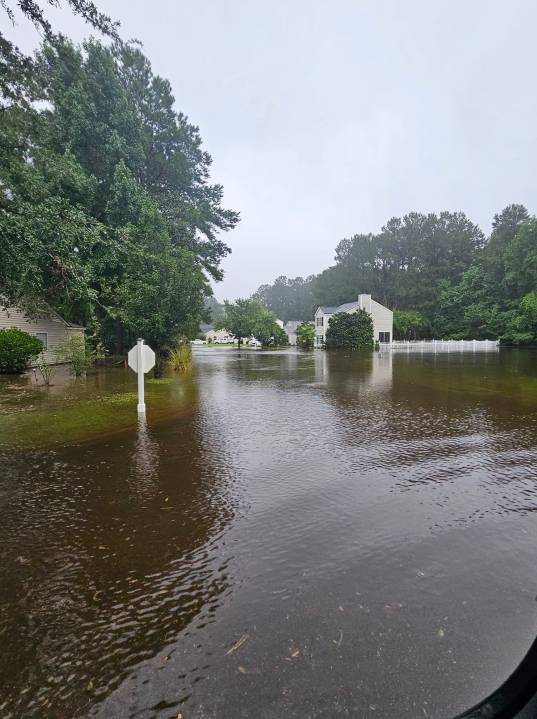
(347,307)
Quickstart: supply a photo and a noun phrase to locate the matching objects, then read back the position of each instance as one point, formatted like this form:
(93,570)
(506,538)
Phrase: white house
(51,329)
(290,329)
(382,318)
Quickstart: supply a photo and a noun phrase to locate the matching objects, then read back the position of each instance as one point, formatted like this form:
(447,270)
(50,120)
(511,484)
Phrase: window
(43,336)
(320,321)
(384,336)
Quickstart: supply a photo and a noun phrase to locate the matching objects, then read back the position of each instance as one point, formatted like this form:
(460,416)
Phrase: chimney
(364,302)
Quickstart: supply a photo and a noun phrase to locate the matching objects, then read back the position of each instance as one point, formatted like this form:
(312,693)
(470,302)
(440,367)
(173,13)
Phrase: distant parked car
(199,342)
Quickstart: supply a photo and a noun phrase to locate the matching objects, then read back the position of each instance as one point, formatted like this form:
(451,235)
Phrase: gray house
(382,318)
(51,329)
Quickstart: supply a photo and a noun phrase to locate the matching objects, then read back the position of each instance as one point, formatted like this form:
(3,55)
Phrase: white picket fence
(442,345)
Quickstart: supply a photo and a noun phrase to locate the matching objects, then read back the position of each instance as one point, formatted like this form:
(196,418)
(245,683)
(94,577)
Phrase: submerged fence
(442,345)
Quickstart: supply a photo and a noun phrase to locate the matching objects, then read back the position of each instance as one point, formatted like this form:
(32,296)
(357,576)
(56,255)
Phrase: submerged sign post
(141,359)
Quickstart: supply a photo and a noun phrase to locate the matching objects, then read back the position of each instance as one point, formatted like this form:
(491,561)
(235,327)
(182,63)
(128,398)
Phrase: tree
(305,335)
(240,318)
(410,325)
(289,299)
(247,318)
(468,310)
(520,259)
(266,330)
(106,210)
(350,331)
(505,226)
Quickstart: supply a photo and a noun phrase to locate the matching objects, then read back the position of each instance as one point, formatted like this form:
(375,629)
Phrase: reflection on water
(145,462)
(299,534)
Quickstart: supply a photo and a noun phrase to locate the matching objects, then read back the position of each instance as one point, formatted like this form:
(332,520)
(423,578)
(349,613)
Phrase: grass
(181,357)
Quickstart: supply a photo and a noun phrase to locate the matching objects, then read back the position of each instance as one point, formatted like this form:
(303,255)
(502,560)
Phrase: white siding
(382,318)
(57,330)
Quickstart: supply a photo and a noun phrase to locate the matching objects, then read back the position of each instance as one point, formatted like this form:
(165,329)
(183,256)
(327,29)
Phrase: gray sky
(326,118)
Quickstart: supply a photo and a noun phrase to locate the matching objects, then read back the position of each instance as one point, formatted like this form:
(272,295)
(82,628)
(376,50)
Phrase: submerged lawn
(74,410)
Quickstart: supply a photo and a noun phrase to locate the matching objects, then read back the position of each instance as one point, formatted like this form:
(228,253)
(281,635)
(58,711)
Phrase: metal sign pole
(141,398)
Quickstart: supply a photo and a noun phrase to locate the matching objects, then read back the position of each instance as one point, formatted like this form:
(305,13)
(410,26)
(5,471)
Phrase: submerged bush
(75,351)
(17,349)
(181,358)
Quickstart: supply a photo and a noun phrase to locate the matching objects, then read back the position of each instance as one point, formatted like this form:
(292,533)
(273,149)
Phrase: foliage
(289,299)
(350,331)
(247,318)
(279,337)
(305,335)
(106,210)
(440,272)
(76,351)
(17,349)
(410,325)
(267,331)
(239,318)
(45,369)
(180,358)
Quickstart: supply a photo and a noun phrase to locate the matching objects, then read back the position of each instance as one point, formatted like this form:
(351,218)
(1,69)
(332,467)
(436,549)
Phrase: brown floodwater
(287,535)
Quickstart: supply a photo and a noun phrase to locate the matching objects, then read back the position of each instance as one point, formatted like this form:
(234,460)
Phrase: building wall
(290,328)
(56,329)
(320,330)
(382,319)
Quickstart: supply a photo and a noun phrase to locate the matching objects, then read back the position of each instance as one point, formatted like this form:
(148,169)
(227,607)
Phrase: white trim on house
(382,318)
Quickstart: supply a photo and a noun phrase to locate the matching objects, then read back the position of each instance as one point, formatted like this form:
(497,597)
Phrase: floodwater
(287,535)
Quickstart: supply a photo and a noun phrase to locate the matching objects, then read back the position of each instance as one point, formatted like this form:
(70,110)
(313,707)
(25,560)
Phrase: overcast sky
(326,118)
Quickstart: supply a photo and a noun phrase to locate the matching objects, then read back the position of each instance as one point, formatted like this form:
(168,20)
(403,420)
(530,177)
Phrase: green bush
(17,348)
(350,331)
(75,351)
(305,336)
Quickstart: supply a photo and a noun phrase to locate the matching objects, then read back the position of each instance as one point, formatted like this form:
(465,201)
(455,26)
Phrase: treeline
(440,273)
(107,213)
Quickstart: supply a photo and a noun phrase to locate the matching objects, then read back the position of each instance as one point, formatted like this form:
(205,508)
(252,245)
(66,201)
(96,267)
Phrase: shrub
(75,351)
(17,349)
(181,358)
(305,336)
(45,369)
(350,331)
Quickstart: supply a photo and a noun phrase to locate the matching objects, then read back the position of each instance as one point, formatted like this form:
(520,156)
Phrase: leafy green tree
(410,325)
(17,349)
(521,327)
(520,259)
(266,330)
(468,310)
(505,226)
(350,331)
(240,318)
(106,211)
(247,318)
(305,335)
